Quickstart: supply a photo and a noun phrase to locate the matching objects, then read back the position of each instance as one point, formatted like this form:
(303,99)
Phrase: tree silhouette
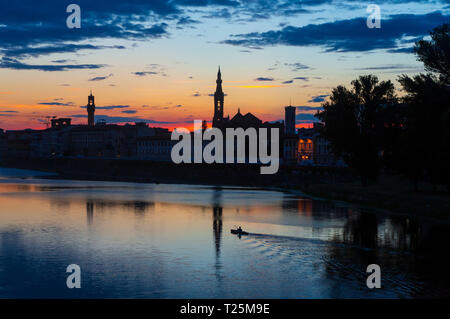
(355,122)
(435,54)
(426,142)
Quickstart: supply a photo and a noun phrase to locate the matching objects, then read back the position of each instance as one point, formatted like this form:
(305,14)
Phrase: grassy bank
(392,193)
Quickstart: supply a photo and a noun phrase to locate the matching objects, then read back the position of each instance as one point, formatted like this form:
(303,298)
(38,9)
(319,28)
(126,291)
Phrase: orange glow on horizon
(256,86)
(305,125)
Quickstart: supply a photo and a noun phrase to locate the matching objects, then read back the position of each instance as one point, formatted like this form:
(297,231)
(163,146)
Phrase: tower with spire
(218,101)
(91,109)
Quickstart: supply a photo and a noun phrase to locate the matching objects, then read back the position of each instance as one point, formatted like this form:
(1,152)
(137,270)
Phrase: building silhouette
(289,122)
(219,98)
(141,142)
(239,120)
(290,141)
(3,144)
(61,122)
(91,110)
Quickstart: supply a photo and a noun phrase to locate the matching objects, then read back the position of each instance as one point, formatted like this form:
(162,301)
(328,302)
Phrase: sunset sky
(157,60)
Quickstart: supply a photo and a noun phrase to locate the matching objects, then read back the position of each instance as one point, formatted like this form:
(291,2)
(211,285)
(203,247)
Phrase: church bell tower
(218,101)
(91,109)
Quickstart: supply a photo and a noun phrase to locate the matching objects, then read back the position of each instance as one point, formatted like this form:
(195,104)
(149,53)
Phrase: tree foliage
(435,54)
(355,121)
(427,119)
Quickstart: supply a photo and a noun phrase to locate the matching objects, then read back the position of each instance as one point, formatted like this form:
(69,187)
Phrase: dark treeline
(375,130)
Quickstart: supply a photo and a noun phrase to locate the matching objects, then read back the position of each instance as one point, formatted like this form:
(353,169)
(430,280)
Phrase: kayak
(237,232)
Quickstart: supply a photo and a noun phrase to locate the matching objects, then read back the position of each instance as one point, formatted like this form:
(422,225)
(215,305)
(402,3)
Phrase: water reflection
(142,240)
(217,228)
(90,212)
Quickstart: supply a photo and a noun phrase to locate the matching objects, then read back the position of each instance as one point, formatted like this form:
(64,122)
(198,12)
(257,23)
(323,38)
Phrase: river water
(173,241)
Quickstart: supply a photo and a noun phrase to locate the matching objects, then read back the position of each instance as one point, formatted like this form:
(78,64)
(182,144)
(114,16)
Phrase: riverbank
(23,173)
(393,193)
(170,173)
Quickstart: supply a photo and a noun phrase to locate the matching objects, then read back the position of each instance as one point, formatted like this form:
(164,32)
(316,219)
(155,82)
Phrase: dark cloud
(20,52)
(204,3)
(394,67)
(155,69)
(156,107)
(264,79)
(247,11)
(305,114)
(36,12)
(9,63)
(109,107)
(101,78)
(303,78)
(98,78)
(129,111)
(182,21)
(296,78)
(223,13)
(51,37)
(304,108)
(350,35)
(144,73)
(318,98)
(305,118)
(160,107)
(56,103)
(60,61)
(297,66)
(122,119)
(32,28)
